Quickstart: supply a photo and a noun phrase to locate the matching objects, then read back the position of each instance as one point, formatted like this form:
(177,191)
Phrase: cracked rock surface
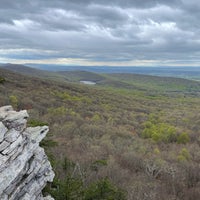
(24,166)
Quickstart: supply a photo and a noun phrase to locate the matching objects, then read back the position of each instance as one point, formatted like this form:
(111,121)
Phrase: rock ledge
(24,166)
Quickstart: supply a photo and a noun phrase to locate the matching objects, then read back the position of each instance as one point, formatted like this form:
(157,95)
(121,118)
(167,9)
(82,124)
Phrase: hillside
(77,76)
(22,69)
(156,83)
(117,129)
(148,83)
(62,76)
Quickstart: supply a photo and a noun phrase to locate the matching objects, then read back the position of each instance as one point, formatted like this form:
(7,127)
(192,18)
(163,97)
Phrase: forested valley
(127,137)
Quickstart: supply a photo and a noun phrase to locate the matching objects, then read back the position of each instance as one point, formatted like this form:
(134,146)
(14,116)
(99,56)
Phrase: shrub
(183,138)
(35,122)
(2,80)
(48,143)
(97,164)
(184,155)
(14,101)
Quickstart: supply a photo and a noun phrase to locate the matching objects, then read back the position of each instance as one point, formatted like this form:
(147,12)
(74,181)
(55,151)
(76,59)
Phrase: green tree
(104,190)
(67,189)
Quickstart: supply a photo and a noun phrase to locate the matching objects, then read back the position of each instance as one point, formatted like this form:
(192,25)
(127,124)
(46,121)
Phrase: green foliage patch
(104,190)
(14,101)
(183,138)
(2,80)
(35,122)
(66,96)
(159,131)
(73,189)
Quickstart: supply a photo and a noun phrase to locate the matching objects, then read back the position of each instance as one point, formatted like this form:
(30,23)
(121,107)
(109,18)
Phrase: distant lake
(88,82)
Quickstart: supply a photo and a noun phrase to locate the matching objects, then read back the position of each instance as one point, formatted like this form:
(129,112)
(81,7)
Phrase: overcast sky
(100,32)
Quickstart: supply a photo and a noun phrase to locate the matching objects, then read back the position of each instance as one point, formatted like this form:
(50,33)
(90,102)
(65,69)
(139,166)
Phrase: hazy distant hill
(82,75)
(182,72)
(153,83)
(22,69)
(72,76)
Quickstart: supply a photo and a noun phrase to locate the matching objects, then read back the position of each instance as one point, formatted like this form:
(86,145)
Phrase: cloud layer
(100,32)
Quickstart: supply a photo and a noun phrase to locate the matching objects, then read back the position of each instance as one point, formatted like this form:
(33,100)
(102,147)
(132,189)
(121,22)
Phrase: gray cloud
(101,30)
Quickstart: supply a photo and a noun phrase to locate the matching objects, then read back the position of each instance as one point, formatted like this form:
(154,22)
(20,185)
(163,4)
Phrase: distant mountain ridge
(53,71)
(182,72)
(71,76)
(25,70)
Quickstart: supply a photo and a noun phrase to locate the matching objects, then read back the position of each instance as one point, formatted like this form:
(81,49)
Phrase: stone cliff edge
(24,166)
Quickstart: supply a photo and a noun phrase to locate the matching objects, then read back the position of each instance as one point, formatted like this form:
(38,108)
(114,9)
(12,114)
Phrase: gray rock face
(24,166)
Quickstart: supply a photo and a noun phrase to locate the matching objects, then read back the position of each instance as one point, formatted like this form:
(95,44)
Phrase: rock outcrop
(24,166)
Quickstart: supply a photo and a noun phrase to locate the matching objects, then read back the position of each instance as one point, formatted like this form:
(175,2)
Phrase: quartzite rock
(11,135)
(24,166)
(4,145)
(3,130)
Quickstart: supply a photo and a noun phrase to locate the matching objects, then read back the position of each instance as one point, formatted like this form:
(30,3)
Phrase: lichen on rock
(24,166)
